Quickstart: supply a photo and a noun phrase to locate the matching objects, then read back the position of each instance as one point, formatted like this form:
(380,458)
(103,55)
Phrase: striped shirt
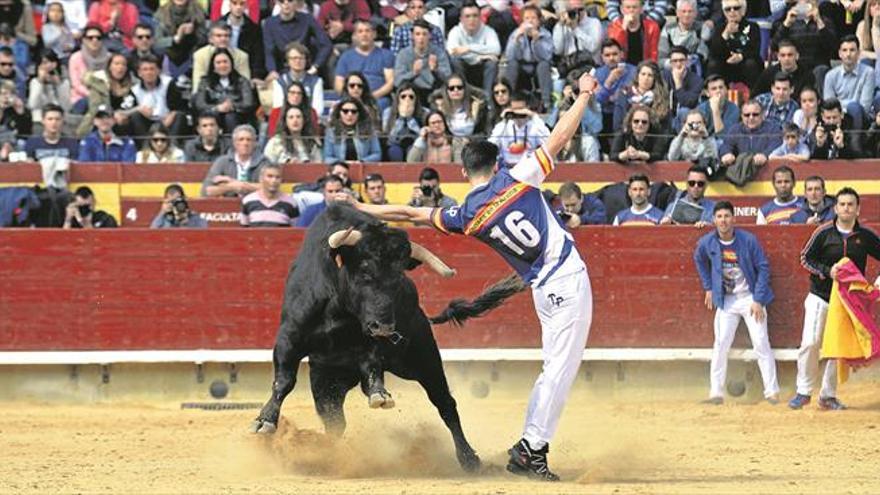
(258,211)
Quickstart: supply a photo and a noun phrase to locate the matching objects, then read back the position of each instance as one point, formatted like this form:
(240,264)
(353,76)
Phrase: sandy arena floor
(656,447)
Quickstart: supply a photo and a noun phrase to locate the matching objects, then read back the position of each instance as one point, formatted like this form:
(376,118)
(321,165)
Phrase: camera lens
(427,190)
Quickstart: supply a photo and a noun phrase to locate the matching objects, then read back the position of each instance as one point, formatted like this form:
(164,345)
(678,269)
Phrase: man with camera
(579,208)
(176,213)
(520,130)
(428,192)
(577,39)
(833,138)
(81,213)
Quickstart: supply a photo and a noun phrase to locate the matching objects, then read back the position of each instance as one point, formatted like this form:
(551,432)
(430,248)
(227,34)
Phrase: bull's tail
(460,310)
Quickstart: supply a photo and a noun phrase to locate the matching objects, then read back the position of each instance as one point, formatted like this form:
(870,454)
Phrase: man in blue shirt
(718,113)
(613,76)
(735,276)
(851,82)
(753,135)
(51,144)
(103,145)
(785,208)
(642,212)
(375,63)
(289,26)
(529,54)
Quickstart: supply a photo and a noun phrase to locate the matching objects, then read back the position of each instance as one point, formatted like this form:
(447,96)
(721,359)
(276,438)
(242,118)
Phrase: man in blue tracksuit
(736,277)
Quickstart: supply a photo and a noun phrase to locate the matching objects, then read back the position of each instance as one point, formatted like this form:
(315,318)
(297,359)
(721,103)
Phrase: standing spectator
(637,35)
(376,63)
(81,212)
(613,76)
(785,208)
(297,62)
(350,136)
(47,86)
(693,143)
(208,145)
(501,93)
(684,84)
(116,18)
(247,36)
(754,136)
(734,49)
(578,208)
(466,113)
(422,64)
(428,192)
(807,116)
(435,143)
(289,26)
(218,37)
(226,93)
(374,189)
(91,57)
(788,62)
(719,113)
(817,206)
(56,34)
(175,212)
(694,196)
(736,279)
(337,18)
(474,48)
(778,105)
(834,137)
(654,9)
(236,173)
(813,34)
(529,55)
(648,89)
(180,30)
(687,33)
(15,118)
(20,15)
(294,142)
(851,83)
(639,139)
(642,212)
(844,237)
(357,87)
(111,88)
(144,42)
(402,37)
(51,144)
(402,122)
(792,147)
(159,148)
(103,145)
(152,98)
(577,39)
(520,131)
(268,206)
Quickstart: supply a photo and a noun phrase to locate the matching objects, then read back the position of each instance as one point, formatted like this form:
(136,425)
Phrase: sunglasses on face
(92,37)
(160,140)
(350,111)
(732,8)
(696,183)
(6,64)
(639,121)
(408,96)
(355,85)
(144,36)
(750,115)
(455,87)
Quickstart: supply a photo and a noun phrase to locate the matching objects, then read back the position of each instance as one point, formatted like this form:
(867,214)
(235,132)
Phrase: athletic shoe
(525,461)
(799,401)
(713,401)
(831,404)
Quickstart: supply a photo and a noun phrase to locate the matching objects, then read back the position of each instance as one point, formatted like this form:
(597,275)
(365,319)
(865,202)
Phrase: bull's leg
(285,359)
(373,380)
(329,388)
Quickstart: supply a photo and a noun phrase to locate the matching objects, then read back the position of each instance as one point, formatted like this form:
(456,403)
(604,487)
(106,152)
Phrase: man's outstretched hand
(587,83)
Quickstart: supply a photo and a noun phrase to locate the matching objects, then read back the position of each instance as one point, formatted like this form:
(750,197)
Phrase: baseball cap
(103,111)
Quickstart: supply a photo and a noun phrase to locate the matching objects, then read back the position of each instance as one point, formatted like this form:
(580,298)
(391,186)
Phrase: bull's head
(372,264)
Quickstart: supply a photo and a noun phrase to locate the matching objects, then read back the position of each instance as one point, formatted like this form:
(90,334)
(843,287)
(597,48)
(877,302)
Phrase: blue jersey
(510,214)
(628,217)
(775,213)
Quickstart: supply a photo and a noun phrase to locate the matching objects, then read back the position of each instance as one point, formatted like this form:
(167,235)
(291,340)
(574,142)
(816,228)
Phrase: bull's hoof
(381,399)
(263,427)
(469,461)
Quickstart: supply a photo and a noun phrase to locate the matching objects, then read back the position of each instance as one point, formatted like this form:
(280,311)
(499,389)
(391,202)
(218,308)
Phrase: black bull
(349,306)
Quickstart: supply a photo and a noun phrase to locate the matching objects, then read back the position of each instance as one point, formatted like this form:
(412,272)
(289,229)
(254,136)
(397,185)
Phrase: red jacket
(650,36)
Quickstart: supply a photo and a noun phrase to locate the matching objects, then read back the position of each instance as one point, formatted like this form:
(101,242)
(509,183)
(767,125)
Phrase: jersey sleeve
(533,168)
(448,220)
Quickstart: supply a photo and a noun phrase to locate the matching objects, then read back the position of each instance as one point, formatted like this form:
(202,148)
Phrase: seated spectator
(640,139)
(868,31)
(474,48)
(785,208)
(247,36)
(337,18)
(499,16)
(103,145)
(350,135)
(693,143)
(151,93)
(402,122)
(577,38)
(422,64)
(851,83)
(312,85)
(91,57)
(311,204)
(20,14)
(654,9)
(693,196)
(268,206)
(159,148)
(466,113)
(834,137)
(58,37)
(226,93)
(578,208)
(374,189)
(48,86)
(648,89)
(20,50)
(295,141)
(500,101)
(817,206)
(734,49)
(236,173)
(613,77)
(289,26)
(15,118)
(814,34)
(9,71)
(632,25)
(81,212)
(788,62)
(402,37)
(807,115)
(719,113)
(529,54)
(374,62)
(642,212)
(175,212)
(51,144)
(686,33)
(180,31)
(520,131)
(684,83)
(75,15)
(753,136)
(792,147)
(778,105)
(218,38)
(435,143)
(116,18)
(144,41)
(111,88)
(208,145)
(358,87)
(428,192)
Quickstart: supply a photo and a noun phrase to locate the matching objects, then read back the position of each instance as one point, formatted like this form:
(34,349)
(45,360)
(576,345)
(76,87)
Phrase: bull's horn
(348,237)
(427,257)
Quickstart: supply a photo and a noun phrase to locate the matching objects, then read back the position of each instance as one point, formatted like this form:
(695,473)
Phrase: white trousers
(815,312)
(565,310)
(726,321)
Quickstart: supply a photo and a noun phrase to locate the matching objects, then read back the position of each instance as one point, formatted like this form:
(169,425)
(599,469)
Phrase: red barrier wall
(221,289)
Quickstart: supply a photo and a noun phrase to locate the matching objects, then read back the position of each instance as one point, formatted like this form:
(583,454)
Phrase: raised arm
(570,122)
(397,213)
